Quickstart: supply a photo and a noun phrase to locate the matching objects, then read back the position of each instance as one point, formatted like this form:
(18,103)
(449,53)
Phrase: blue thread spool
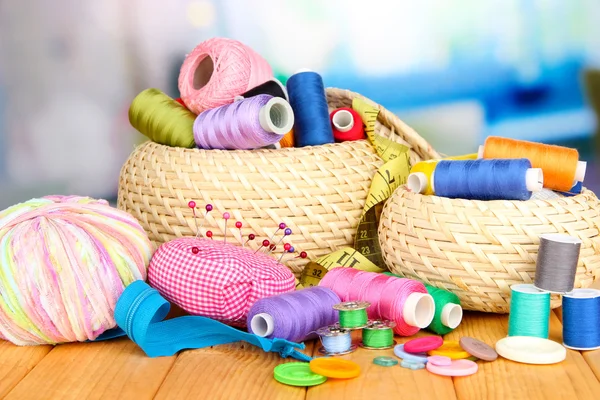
(506,179)
(581,319)
(529,311)
(312,126)
(336,341)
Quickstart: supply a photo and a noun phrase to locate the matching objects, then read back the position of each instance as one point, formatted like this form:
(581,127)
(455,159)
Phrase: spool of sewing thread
(353,314)
(482,179)
(419,180)
(293,316)
(218,70)
(529,311)
(287,140)
(581,319)
(448,311)
(556,263)
(307,98)
(403,301)
(336,341)
(561,165)
(247,124)
(162,119)
(347,125)
(378,335)
(272,87)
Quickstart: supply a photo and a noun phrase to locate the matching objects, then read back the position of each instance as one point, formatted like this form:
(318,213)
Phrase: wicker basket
(319,192)
(478,249)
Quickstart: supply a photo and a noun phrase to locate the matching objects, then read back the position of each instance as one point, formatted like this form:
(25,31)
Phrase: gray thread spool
(556,264)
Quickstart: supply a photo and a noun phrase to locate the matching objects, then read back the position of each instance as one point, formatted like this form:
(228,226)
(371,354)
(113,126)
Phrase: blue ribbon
(141,310)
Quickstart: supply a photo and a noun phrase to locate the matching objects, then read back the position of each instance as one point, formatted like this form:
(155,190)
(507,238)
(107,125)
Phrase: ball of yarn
(217,71)
(64,263)
(216,279)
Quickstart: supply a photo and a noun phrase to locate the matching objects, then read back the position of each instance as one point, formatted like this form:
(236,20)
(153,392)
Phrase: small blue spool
(312,126)
(497,179)
(581,319)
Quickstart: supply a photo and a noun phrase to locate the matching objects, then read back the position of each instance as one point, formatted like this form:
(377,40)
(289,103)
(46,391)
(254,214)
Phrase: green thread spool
(353,314)
(378,335)
(448,312)
(529,311)
(162,119)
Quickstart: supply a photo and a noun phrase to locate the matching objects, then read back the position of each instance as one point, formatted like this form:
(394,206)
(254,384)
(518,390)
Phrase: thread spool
(556,264)
(529,311)
(448,311)
(403,301)
(353,314)
(287,140)
(293,316)
(272,87)
(246,124)
(162,119)
(482,179)
(347,125)
(581,319)
(336,341)
(561,165)
(307,98)
(378,335)
(218,70)
(419,180)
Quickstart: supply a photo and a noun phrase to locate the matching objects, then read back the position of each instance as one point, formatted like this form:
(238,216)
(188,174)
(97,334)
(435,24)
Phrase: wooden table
(119,370)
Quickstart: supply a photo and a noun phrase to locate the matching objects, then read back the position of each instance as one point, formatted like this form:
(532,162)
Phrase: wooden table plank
(504,379)
(102,370)
(16,362)
(234,371)
(593,360)
(376,382)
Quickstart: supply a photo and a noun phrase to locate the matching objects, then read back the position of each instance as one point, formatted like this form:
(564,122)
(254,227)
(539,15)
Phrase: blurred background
(456,70)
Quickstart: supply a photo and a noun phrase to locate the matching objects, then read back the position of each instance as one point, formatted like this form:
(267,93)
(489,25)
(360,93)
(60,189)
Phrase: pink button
(456,368)
(440,361)
(423,344)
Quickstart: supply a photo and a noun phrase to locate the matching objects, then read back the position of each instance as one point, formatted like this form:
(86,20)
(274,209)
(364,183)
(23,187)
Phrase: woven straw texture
(478,249)
(319,191)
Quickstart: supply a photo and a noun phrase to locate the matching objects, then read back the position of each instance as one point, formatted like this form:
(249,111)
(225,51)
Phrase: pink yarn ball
(218,70)
(221,281)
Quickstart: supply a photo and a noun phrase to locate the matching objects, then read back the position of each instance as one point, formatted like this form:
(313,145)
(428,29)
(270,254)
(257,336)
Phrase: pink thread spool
(218,70)
(404,301)
(215,279)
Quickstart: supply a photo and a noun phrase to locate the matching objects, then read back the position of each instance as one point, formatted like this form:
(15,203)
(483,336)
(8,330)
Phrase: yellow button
(450,348)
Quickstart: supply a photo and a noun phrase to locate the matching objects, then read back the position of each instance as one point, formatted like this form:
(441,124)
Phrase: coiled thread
(307,98)
(581,319)
(529,311)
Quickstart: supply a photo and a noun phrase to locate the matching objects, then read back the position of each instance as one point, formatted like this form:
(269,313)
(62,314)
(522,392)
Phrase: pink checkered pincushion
(216,280)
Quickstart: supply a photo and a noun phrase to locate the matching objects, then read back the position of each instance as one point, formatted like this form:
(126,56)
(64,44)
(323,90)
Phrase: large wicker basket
(478,249)
(319,192)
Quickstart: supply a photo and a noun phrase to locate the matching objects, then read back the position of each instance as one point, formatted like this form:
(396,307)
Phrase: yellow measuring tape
(366,254)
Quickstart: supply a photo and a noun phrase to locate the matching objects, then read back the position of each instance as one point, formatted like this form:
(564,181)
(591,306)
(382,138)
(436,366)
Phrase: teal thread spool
(448,312)
(353,314)
(378,335)
(529,311)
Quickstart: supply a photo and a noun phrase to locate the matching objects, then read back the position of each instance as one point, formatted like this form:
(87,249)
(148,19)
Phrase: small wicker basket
(319,192)
(478,249)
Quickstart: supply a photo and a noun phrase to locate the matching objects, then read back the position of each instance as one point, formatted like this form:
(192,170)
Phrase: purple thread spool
(294,316)
(246,124)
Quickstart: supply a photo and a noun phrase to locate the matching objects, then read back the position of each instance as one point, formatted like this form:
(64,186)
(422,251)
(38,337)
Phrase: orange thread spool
(560,165)
(288,139)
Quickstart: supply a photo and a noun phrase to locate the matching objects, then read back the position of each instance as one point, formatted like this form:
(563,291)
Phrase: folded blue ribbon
(140,313)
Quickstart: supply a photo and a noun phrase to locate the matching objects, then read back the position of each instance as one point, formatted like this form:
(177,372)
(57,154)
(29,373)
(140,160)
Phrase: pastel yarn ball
(218,280)
(218,70)
(64,262)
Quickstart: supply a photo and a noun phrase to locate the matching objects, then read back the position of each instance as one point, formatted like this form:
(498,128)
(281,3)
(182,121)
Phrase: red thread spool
(346,124)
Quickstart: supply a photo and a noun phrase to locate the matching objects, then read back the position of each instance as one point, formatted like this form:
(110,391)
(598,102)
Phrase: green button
(385,361)
(297,374)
